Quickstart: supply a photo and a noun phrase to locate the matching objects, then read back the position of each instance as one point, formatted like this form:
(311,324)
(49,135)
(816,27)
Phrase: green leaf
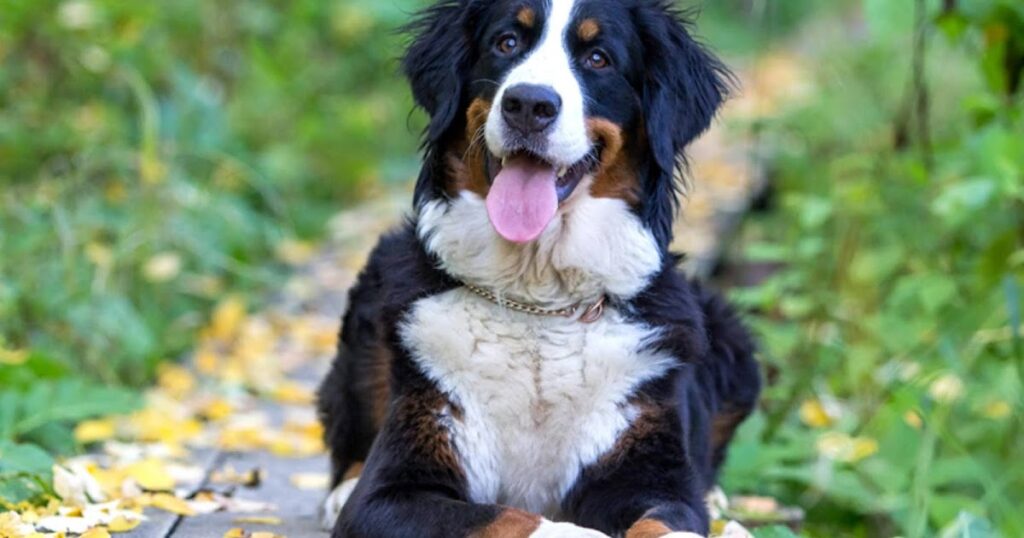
(968,525)
(67,402)
(889,18)
(22,458)
(777,531)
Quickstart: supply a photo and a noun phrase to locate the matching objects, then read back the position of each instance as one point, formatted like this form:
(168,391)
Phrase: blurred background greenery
(156,157)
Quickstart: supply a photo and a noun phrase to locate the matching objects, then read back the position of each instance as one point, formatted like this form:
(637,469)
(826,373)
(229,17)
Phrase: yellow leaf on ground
(265,535)
(172,504)
(175,380)
(217,409)
(123,524)
(290,392)
(93,431)
(259,520)
(310,481)
(235,533)
(227,319)
(151,474)
(98,532)
(207,361)
(294,252)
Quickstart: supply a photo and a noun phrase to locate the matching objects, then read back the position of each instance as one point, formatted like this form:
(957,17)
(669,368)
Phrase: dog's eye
(508,44)
(598,60)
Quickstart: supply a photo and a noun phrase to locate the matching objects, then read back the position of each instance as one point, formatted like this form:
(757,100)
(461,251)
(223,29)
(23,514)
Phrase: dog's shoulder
(398,272)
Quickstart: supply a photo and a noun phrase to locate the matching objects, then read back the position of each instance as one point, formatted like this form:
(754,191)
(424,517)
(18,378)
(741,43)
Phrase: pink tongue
(522,200)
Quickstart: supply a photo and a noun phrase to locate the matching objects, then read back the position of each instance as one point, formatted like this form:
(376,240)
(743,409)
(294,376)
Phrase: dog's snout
(530,108)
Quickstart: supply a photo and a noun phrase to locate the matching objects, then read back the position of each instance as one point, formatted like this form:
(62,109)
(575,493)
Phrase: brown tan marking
(723,426)
(415,416)
(617,176)
(379,382)
(511,523)
(353,471)
(527,17)
(648,528)
(467,169)
(588,30)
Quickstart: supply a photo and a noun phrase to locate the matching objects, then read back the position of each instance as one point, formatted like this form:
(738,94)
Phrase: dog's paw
(334,502)
(551,529)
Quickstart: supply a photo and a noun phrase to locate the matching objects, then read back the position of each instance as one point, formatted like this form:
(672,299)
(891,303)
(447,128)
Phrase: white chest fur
(541,398)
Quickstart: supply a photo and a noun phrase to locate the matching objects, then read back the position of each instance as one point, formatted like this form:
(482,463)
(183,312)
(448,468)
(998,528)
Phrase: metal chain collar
(590,314)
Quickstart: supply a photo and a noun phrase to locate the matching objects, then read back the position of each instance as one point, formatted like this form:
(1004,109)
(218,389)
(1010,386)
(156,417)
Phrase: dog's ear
(683,88)
(434,64)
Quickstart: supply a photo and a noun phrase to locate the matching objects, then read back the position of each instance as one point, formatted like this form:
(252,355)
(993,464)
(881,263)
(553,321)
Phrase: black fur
(665,92)
(684,86)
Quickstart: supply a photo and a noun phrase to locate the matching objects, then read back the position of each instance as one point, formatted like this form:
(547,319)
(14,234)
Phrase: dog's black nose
(529,108)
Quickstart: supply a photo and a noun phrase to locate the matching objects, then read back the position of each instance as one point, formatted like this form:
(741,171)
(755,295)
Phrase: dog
(522,358)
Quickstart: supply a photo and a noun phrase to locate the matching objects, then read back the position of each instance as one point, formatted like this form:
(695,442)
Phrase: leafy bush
(154,158)
(893,327)
(154,155)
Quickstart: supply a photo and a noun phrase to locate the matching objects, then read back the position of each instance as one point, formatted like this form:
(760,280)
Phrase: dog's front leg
(646,487)
(413,484)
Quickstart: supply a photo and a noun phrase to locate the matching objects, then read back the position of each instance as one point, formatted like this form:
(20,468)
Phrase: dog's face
(530,99)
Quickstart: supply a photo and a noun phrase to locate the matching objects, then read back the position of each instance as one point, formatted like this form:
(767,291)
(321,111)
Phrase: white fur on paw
(682,535)
(551,529)
(334,502)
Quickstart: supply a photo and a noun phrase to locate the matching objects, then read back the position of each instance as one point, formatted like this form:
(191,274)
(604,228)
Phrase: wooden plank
(161,524)
(297,508)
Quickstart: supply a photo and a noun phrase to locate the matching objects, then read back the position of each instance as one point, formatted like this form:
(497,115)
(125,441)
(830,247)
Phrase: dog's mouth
(526,191)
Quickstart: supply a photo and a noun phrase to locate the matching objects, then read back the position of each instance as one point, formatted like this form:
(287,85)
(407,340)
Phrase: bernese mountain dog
(523,358)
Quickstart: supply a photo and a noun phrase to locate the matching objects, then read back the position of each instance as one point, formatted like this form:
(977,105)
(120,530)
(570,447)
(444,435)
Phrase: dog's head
(529,99)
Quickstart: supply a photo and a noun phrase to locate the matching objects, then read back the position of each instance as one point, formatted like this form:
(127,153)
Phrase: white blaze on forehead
(550,63)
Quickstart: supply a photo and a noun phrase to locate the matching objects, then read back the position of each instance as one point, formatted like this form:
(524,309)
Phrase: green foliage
(153,155)
(38,405)
(24,472)
(897,305)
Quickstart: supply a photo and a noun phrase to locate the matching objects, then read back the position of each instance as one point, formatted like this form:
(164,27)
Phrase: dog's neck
(595,247)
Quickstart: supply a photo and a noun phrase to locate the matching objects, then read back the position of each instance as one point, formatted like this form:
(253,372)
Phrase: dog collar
(582,313)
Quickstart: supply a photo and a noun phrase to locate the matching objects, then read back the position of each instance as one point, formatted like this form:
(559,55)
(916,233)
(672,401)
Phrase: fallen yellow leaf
(290,392)
(123,524)
(217,409)
(175,380)
(227,319)
(235,533)
(265,535)
(310,481)
(172,504)
(151,474)
(258,520)
(294,252)
(98,532)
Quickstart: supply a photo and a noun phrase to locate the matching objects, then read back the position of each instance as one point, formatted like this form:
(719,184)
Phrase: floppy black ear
(434,64)
(684,86)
